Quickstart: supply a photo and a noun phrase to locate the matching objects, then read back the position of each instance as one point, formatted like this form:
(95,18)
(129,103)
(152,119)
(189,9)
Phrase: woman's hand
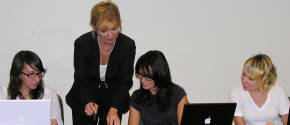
(113,117)
(269,123)
(91,108)
(53,122)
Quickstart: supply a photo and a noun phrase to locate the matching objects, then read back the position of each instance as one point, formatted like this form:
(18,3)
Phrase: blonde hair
(261,68)
(104,13)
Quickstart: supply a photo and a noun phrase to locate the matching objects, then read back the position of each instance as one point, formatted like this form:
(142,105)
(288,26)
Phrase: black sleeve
(124,82)
(80,86)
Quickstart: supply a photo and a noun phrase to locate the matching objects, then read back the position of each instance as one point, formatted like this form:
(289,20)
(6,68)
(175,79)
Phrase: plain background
(205,42)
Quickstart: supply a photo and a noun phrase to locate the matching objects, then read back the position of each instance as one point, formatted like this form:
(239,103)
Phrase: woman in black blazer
(103,61)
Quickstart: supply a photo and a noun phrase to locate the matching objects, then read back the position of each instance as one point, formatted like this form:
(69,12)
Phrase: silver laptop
(24,112)
(208,114)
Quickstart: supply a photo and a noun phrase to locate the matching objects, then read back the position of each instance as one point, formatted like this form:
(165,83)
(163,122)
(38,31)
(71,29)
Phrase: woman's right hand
(269,123)
(91,108)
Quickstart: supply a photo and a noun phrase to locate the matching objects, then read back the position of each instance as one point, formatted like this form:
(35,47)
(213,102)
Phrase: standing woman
(159,100)
(103,61)
(26,83)
(259,100)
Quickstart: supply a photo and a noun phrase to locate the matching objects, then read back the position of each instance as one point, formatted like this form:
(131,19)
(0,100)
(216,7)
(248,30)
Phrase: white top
(49,94)
(103,69)
(276,103)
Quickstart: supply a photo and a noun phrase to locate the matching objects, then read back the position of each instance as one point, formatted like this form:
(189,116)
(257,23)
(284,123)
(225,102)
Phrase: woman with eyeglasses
(159,100)
(104,67)
(26,83)
(259,100)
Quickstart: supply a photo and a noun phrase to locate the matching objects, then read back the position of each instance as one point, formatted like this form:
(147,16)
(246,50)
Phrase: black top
(87,73)
(150,115)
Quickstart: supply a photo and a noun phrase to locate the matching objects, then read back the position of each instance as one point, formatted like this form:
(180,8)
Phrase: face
(147,83)
(29,83)
(109,36)
(249,84)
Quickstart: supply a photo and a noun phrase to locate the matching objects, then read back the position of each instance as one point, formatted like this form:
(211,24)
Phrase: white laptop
(24,112)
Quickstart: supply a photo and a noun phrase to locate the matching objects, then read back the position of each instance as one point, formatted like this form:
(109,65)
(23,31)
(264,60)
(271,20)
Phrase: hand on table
(113,117)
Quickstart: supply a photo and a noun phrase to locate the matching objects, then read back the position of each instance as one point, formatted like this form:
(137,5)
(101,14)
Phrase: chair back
(61,107)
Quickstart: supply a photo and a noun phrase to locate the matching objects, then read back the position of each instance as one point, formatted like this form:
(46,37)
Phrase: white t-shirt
(276,103)
(49,94)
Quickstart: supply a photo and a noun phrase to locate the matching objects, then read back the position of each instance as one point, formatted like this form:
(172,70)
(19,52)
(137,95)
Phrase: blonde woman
(103,62)
(259,100)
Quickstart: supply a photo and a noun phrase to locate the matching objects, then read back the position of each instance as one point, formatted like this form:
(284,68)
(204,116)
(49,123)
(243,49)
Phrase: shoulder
(277,90)
(124,41)
(48,91)
(237,90)
(176,88)
(3,92)
(4,88)
(135,94)
(277,87)
(85,39)
(238,93)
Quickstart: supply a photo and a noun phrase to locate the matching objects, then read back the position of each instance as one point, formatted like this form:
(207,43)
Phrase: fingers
(91,108)
(111,120)
(53,122)
(269,123)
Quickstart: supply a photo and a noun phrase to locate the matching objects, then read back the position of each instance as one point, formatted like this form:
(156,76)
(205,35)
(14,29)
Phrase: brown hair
(261,68)
(104,13)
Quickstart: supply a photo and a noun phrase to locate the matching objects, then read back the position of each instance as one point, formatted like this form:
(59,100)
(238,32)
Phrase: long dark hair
(153,65)
(31,59)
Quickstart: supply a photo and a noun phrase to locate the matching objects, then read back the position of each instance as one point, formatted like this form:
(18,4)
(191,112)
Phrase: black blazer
(87,73)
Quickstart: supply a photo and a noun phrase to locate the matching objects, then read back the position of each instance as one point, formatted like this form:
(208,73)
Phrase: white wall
(205,42)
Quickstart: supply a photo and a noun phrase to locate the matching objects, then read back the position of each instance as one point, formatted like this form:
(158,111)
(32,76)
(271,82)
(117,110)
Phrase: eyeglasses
(141,76)
(33,75)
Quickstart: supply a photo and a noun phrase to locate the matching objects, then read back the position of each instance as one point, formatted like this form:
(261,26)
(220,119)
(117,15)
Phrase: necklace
(101,48)
(24,96)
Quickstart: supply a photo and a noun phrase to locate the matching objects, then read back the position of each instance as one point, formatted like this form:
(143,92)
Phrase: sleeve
(283,101)
(132,101)
(233,99)
(80,86)
(55,108)
(179,93)
(124,82)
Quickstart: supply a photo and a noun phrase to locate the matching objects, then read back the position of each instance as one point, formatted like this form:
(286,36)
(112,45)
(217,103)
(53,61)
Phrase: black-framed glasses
(141,76)
(33,75)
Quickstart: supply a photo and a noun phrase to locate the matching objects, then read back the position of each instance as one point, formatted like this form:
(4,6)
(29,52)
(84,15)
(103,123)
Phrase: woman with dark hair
(104,67)
(260,101)
(26,83)
(159,100)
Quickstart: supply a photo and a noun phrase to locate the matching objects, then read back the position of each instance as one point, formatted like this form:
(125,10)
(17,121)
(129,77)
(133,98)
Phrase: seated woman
(259,100)
(159,100)
(26,83)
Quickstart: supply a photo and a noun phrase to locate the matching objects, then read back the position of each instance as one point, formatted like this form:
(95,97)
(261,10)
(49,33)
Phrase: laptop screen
(25,112)
(208,114)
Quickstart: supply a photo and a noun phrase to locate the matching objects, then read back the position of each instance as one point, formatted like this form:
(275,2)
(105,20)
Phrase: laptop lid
(24,112)
(208,114)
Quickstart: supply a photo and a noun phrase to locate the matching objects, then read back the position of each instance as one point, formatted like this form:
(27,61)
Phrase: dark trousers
(80,118)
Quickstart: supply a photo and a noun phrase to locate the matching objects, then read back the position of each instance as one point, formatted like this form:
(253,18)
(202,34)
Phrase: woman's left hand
(269,123)
(53,122)
(113,117)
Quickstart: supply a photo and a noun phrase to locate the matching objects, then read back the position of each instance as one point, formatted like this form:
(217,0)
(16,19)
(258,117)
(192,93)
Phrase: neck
(104,44)
(257,92)
(154,90)
(24,90)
